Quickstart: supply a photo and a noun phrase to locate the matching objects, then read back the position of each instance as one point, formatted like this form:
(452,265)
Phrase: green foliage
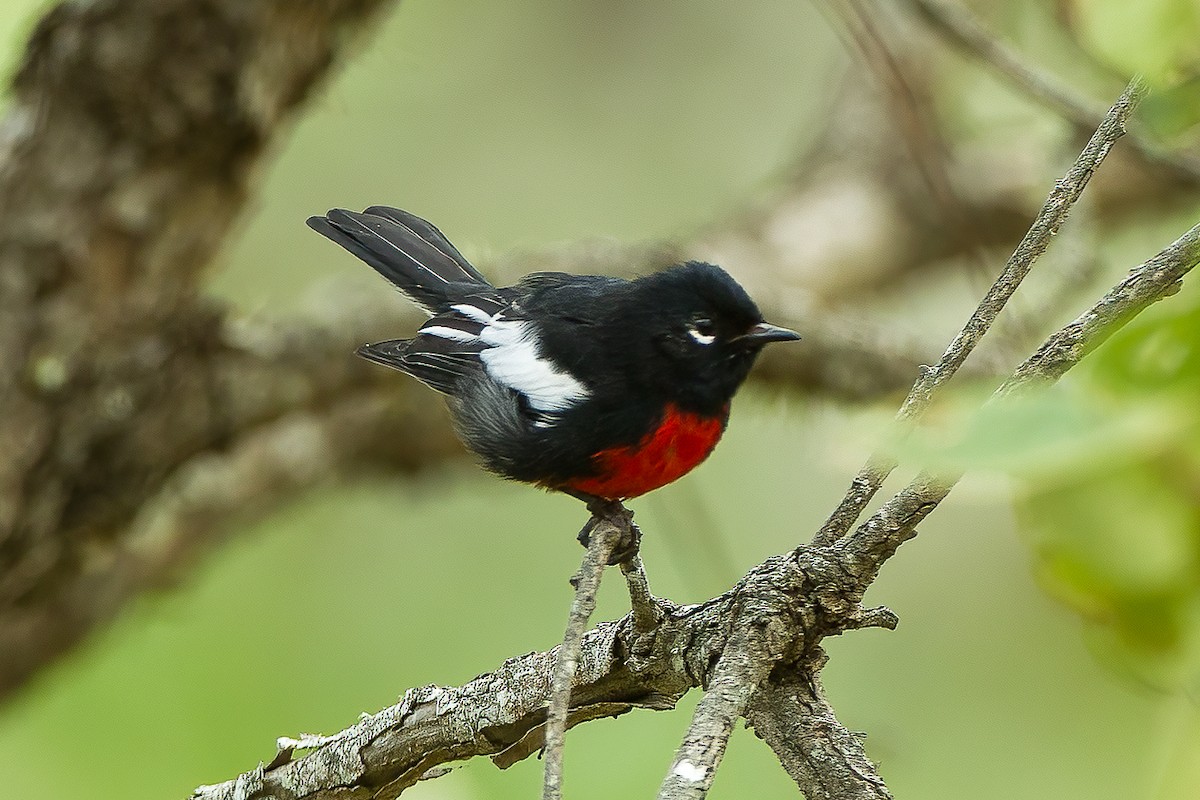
(1157,39)
(1107,467)
(1154,37)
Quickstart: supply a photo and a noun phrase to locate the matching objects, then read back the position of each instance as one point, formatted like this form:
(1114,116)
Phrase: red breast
(680,442)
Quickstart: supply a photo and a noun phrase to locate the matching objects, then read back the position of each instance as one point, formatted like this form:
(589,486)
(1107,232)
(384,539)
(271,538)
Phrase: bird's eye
(703,331)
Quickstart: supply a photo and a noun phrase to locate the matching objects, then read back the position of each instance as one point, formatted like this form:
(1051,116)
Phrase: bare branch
(783,607)
(1148,283)
(645,608)
(877,539)
(743,646)
(752,650)
(501,713)
(789,711)
(1053,214)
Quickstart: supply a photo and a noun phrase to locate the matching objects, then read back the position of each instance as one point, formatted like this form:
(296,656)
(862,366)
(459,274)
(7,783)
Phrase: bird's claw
(611,511)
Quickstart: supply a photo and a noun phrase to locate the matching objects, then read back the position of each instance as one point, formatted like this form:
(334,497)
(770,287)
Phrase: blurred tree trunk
(131,143)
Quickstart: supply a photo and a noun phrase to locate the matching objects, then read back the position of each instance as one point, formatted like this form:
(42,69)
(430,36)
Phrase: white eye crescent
(702,331)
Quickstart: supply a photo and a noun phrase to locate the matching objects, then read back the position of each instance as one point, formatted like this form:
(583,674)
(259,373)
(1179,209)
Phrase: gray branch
(895,523)
(1052,216)
(790,713)
(757,642)
(604,535)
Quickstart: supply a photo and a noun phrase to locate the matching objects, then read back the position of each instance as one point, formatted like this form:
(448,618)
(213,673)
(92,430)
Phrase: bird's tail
(405,249)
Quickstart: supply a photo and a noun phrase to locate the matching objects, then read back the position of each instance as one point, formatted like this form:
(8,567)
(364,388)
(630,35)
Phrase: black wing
(438,370)
(447,347)
(407,250)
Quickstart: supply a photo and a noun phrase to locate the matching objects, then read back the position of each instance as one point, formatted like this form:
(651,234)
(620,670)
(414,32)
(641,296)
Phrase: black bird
(599,387)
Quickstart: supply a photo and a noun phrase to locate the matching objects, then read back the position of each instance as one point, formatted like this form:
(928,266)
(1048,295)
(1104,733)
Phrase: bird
(599,387)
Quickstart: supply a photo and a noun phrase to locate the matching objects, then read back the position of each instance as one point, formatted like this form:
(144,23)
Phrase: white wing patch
(453,334)
(511,358)
(473,313)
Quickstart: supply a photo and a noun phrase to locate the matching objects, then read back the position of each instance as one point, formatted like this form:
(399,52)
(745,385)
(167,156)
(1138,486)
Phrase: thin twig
(1058,205)
(876,539)
(961,28)
(604,535)
(644,609)
(1152,281)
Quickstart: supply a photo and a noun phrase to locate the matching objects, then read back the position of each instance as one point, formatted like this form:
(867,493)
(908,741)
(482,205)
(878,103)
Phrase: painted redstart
(599,387)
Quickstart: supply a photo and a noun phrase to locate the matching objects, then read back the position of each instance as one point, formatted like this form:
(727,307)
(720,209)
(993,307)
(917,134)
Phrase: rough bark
(129,148)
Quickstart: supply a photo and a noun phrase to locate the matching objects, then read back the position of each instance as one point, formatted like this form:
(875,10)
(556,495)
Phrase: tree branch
(1052,216)
(603,537)
(895,522)
(119,178)
(757,642)
(790,713)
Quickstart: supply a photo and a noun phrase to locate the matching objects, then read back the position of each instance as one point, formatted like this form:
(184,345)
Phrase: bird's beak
(765,332)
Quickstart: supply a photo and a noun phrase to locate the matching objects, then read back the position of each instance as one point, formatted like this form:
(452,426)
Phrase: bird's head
(706,329)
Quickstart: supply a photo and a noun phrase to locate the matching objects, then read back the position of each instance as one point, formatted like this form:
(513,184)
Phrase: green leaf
(1156,38)
(1174,111)
(1122,547)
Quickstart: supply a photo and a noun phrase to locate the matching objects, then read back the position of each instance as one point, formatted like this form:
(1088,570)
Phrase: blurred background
(1049,643)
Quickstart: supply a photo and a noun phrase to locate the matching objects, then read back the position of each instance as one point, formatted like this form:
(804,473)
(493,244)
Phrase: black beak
(765,332)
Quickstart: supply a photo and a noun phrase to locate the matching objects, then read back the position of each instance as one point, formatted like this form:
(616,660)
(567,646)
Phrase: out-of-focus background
(1049,636)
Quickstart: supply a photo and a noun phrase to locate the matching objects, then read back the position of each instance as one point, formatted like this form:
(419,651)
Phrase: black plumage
(544,375)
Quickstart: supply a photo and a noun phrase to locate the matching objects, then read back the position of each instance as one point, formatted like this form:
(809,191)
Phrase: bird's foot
(617,515)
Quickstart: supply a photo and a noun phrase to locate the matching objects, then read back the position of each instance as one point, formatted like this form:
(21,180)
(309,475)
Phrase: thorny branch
(756,648)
